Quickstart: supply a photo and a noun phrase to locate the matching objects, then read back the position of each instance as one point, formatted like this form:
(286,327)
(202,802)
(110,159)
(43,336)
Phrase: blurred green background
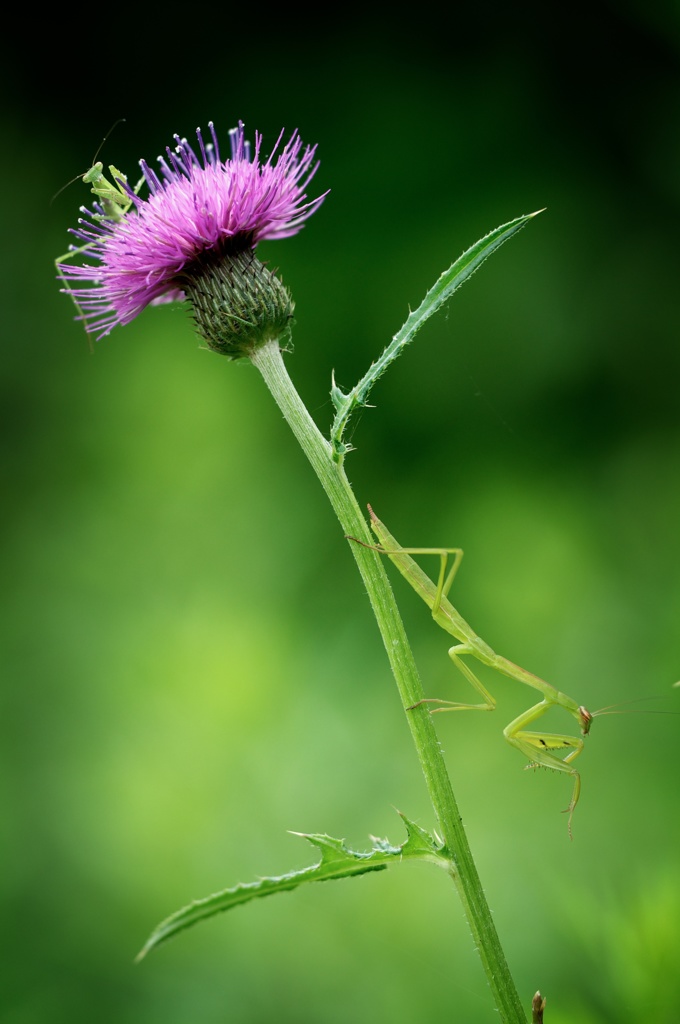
(189,664)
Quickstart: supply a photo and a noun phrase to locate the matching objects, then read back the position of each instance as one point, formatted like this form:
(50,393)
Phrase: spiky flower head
(194,237)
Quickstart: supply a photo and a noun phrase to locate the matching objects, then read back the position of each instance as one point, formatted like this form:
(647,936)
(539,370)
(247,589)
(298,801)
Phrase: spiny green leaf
(460,272)
(337,861)
(338,396)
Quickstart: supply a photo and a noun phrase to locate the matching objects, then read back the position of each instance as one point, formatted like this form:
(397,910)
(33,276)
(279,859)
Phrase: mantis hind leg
(538,748)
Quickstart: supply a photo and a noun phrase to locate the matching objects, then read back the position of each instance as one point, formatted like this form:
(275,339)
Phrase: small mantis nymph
(540,748)
(113,204)
(113,199)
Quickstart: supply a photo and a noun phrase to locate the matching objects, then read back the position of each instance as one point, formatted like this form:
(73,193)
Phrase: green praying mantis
(114,201)
(113,198)
(540,748)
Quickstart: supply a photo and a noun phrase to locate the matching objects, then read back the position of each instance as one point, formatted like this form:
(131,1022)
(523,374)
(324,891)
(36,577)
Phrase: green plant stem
(269,362)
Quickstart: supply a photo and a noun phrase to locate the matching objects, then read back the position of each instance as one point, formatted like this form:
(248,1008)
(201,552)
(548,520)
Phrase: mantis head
(585,718)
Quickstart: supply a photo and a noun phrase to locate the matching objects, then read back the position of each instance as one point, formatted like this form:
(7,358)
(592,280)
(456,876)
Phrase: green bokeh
(188,660)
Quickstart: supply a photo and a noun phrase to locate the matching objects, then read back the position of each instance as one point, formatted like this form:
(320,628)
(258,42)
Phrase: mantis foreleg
(537,747)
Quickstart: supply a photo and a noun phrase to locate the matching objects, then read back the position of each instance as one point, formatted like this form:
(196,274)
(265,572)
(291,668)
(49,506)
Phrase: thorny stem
(269,361)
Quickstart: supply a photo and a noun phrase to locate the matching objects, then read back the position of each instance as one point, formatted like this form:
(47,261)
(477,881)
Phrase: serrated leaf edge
(337,861)
(448,282)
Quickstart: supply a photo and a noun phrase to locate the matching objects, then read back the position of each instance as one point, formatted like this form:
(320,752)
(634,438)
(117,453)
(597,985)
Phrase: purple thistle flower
(202,216)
